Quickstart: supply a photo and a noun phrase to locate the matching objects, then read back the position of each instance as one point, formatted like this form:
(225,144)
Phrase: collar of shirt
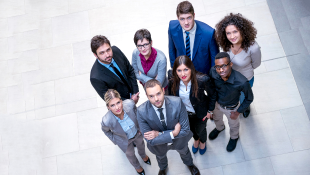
(118,119)
(192,31)
(163,106)
(107,65)
(151,58)
(231,78)
(189,84)
(164,111)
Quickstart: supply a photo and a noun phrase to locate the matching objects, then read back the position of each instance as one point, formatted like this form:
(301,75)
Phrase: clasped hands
(150,135)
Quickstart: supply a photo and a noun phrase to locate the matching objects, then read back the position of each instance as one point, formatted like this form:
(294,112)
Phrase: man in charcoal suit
(164,123)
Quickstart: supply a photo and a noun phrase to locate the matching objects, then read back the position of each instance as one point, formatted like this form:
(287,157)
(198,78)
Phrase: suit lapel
(120,65)
(109,73)
(153,115)
(134,119)
(117,128)
(181,39)
(197,41)
(169,113)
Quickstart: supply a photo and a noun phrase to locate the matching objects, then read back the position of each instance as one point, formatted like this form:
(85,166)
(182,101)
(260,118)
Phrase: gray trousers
(130,152)
(218,120)
(184,153)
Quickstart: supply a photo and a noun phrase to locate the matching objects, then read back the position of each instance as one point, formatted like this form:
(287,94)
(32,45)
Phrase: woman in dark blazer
(120,125)
(198,95)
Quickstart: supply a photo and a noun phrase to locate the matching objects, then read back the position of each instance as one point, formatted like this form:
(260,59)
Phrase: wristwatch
(160,133)
(210,112)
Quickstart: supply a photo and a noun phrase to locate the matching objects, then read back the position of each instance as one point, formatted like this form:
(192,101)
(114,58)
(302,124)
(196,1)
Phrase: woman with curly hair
(236,36)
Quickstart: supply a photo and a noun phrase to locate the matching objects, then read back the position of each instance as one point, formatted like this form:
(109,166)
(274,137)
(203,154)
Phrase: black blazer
(103,79)
(203,102)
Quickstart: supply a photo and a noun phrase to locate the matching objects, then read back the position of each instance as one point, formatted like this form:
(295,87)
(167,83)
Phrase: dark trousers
(185,155)
(198,127)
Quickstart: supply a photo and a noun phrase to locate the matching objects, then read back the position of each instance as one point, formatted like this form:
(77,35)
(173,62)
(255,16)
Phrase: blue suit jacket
(205,46)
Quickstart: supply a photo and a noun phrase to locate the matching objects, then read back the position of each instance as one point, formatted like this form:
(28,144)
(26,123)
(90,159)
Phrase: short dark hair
(184,8)
(151,83)
(140,34)
(98,41)
(222,55)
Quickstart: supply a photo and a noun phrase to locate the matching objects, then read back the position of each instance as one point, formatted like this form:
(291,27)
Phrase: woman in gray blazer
(120,125)
(147,61)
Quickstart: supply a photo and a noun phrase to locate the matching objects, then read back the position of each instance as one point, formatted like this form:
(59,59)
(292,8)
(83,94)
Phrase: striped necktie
(188,45)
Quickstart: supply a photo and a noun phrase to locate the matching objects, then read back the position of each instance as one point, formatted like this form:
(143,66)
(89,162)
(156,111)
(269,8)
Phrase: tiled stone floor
(50,114)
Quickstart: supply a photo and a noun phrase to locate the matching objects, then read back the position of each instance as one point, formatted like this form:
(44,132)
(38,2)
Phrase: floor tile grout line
(272,165)
(287,131)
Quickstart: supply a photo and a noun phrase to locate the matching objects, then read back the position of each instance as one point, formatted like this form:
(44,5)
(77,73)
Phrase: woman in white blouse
(197,92)
(236,36)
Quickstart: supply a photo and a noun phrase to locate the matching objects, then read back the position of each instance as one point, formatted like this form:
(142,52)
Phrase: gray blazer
(159,68)
(114,131)
(175,112)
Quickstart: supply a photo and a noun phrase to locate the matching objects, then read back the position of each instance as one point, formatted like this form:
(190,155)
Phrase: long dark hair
(176,80)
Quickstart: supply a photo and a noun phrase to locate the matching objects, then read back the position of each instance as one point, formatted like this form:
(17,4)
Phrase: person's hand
(234,115)
(176,130)
(135,97)
(139,72)
(151,135)
(207,116)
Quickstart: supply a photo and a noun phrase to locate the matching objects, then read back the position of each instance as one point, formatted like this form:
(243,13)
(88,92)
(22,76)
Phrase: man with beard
(112,70)
(229,85)
(164,123)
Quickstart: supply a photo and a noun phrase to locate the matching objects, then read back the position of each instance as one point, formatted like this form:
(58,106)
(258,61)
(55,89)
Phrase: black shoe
(232,144)
(194,170)
(214,133)
(246,113)
(142,172)
(148,161)
(162,172)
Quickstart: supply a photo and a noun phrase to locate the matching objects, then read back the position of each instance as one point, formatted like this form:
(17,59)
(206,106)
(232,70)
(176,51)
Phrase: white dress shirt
(192,34)
(164,112)
(184,94)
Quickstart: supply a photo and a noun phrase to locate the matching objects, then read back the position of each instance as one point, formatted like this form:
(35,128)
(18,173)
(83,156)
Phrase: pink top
(147,64)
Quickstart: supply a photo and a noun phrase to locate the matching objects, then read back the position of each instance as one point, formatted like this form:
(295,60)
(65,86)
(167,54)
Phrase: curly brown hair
(245,27)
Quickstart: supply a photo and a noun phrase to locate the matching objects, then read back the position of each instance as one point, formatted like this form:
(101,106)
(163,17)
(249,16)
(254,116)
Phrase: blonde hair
(110,94)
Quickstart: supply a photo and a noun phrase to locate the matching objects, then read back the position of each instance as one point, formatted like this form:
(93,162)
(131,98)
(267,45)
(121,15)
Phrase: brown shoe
(162,172)
(194,170)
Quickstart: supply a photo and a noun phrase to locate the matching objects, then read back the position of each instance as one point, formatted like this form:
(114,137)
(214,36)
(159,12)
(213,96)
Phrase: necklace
(234,54)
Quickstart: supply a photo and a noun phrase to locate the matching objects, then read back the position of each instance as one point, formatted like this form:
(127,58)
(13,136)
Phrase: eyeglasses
(224,66)
(146,45)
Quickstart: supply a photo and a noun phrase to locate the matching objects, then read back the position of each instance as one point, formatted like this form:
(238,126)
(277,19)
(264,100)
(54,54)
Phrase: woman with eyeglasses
(120,125)
(148,62)
(198,95)
(236,36)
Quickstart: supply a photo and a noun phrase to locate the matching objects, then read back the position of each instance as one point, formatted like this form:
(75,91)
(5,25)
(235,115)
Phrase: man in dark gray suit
(164,123)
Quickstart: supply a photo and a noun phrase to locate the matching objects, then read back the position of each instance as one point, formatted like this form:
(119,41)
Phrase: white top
(246,62)
(164,112)
(184,95)
(192,34)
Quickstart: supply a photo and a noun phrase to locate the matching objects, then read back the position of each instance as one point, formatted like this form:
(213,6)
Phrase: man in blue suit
(193,38)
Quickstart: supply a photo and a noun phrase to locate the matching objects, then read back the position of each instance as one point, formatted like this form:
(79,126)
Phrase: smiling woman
(191,86)
(148,62)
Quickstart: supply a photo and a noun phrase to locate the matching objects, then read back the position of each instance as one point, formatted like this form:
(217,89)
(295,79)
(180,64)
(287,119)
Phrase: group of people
(203,84)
